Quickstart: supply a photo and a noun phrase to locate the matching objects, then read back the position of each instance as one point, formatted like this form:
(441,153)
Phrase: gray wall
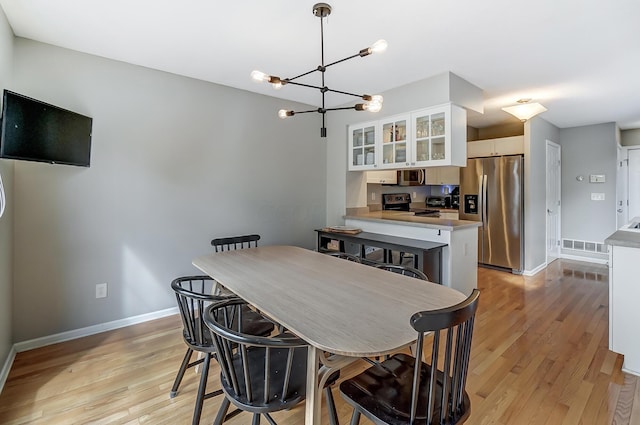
(6,221)
(175,162)
(588,150)
(537,132)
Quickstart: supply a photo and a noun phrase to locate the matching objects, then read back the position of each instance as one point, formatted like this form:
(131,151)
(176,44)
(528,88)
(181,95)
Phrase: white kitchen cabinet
(432,137)
(363,146)
(443,175)
(382,177)
(396,149)
(496,147)
(439,136)
(624,314)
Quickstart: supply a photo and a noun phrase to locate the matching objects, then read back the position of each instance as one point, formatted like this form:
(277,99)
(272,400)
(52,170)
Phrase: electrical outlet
(415,195)
(101,290)
(597,196)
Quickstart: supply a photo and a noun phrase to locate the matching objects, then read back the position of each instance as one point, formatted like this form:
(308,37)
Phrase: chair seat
(384,391)
(297,381)
(253,323)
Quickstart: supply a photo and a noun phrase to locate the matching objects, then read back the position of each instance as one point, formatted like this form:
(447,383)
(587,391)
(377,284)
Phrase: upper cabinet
(430,137)
(496,147)
(363,146)
(443,175)
(439,136)
(395,149)
(382,177)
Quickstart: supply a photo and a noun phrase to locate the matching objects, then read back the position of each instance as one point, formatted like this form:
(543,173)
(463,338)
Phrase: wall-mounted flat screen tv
(32,130)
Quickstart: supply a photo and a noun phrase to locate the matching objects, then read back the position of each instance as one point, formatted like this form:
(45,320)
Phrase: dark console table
(427,256)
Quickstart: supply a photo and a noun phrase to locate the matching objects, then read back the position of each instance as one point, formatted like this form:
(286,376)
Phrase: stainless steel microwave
(411,177)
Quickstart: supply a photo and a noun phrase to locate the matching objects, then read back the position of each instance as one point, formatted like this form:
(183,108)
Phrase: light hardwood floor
(539,356)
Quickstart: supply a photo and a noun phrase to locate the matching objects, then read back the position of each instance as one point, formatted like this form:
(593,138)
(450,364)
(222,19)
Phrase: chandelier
(371,103)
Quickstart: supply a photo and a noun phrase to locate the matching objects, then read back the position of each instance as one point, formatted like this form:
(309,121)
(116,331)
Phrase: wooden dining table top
(335,305)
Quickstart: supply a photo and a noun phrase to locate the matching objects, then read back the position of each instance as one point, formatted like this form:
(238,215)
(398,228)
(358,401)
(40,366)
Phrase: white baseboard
(7,367)
(586,259)
(534,271)
(91,330)
(630,371)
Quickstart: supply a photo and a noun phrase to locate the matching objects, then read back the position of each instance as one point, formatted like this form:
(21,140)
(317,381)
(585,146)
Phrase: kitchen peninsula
(459,257)
(624,255)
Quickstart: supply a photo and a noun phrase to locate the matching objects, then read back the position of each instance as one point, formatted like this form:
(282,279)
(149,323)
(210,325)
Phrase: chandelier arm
(306,112)
(288,80)
(340,109)
(305,85)
(361,96)
(342,60)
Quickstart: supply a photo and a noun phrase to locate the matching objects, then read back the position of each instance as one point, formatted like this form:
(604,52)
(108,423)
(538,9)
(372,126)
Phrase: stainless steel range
(402,202)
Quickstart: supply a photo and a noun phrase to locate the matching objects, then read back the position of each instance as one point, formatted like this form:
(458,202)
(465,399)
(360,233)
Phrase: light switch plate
(597,178)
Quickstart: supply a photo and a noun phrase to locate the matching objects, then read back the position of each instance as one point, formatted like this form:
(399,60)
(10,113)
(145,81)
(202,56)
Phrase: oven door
(411,177)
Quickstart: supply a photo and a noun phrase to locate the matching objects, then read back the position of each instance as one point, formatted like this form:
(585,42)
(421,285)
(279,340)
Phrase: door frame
(622,185)
(559,191)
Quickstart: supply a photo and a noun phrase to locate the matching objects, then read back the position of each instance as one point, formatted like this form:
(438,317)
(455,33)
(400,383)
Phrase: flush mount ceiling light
(371,103)
(525,110)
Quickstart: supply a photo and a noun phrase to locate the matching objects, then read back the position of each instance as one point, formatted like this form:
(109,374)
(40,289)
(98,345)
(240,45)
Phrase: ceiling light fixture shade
(525,110)
(371,103)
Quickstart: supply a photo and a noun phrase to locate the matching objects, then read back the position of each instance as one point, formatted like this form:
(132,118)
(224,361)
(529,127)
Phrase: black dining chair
(344,256)
(232,243)
(259,374)
(235,242)
(405,390)
(403,270)
(193,294)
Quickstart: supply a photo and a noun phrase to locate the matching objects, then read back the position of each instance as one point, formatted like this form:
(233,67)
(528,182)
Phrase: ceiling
(579,58)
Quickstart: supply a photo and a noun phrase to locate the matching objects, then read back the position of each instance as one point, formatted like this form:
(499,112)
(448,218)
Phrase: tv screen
(36,131)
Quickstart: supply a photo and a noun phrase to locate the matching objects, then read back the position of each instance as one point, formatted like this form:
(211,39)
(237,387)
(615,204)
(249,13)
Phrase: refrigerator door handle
(485,200)
(480,199)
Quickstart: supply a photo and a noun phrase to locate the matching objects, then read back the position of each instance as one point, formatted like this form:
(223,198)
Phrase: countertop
(409,219)
(628,238)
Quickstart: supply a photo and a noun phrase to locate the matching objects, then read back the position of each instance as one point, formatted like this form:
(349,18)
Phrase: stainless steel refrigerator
(491,191)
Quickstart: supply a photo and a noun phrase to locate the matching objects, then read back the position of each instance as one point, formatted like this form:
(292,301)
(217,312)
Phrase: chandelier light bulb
(373,105)
(379,46)
(259,76)
(284,113)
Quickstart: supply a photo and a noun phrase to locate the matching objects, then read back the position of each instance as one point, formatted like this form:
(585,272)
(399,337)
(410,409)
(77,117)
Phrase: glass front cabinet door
(396,150)
(362,147)
(439,136)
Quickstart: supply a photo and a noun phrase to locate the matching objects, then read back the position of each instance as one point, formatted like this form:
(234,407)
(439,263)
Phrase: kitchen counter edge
(409,219)
(624,238)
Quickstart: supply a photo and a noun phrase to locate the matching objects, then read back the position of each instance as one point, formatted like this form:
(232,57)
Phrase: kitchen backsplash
(418,193)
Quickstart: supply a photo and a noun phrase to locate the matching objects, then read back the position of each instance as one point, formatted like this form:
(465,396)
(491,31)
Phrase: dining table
(344,310)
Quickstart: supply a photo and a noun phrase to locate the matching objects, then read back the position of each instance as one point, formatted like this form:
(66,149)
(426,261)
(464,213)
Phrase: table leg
(313,400)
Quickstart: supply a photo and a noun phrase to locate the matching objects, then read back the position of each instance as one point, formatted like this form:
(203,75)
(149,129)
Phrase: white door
(553,201)
(634,184)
